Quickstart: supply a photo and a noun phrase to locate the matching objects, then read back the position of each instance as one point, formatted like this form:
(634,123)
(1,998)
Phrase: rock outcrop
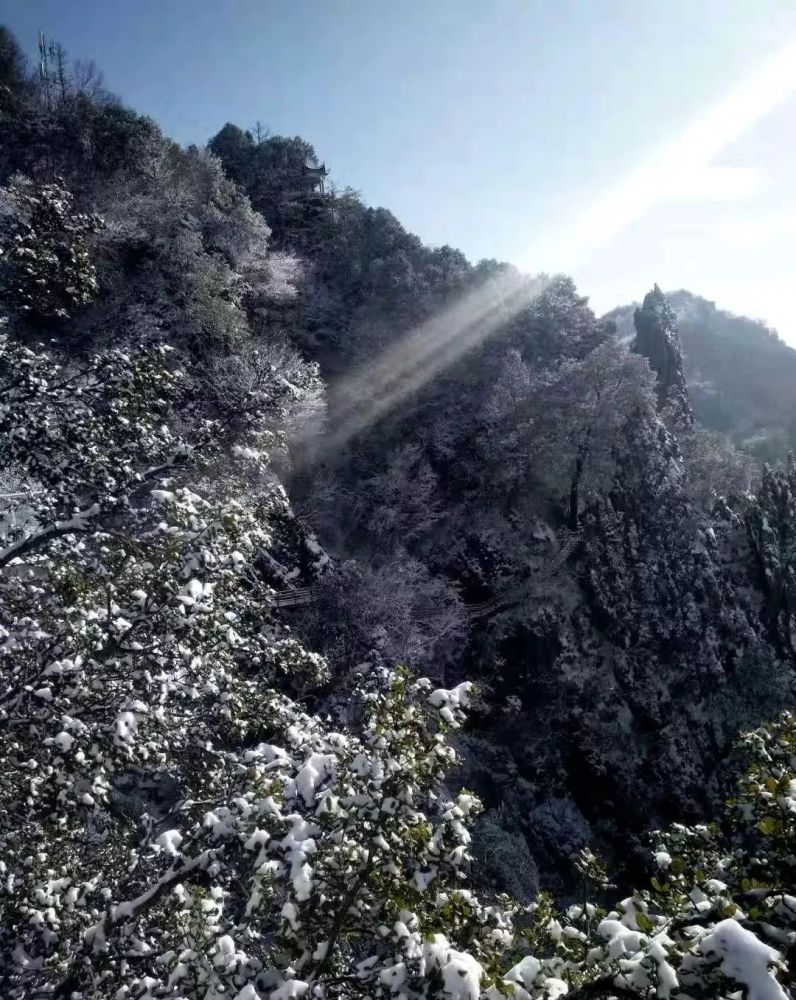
(658,341)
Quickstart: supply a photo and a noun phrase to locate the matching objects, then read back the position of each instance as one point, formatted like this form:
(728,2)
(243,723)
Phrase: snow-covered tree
(770,521)
(174,823)
(565,422)
(46,265)
(398,612)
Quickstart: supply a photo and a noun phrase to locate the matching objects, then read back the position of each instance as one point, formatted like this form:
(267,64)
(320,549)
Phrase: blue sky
(508,128)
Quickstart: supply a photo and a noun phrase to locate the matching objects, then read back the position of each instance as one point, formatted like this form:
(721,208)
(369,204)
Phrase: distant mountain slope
(741,375)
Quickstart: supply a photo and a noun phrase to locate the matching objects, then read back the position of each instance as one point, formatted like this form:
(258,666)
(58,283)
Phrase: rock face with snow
(657,340)
(635,672)
(740,373)
(633,665)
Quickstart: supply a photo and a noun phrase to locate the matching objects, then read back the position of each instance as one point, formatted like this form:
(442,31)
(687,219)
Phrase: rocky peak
(658,341)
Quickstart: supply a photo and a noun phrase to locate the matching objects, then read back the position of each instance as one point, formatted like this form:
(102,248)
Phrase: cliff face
(628,646)
(634,666)
(657,340)
(634,649)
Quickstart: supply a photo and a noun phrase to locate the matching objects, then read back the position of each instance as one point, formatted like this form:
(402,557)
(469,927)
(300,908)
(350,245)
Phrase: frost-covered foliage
(562,423)
(86,435)
(714,469)
(263,851)
(88,438)
(270,378)
(294,859)
(183,257)
(396,613)
(133,629)
(46,265)
(155,656)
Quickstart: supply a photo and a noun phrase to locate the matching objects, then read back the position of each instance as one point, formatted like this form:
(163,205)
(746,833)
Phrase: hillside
(741,376)
(371,620)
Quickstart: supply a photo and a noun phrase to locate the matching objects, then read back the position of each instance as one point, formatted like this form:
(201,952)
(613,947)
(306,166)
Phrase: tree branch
(79,523)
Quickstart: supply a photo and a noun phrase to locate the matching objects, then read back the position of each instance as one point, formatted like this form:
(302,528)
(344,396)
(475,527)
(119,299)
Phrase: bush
(46,267)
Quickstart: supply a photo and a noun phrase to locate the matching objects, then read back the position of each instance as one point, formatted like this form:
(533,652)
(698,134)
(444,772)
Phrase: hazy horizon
(623,143)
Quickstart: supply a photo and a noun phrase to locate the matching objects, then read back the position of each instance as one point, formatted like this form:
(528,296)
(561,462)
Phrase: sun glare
(682,168)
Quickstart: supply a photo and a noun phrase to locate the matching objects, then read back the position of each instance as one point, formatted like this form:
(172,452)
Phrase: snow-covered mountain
(741,375)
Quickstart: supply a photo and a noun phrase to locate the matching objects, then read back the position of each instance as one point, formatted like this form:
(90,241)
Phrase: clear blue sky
(498,126)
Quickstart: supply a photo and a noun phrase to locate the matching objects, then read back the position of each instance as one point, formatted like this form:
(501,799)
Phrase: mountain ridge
(741,375)
(244,789)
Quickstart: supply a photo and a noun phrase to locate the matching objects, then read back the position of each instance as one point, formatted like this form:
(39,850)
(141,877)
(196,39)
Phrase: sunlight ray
(680,168)
(366,395)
